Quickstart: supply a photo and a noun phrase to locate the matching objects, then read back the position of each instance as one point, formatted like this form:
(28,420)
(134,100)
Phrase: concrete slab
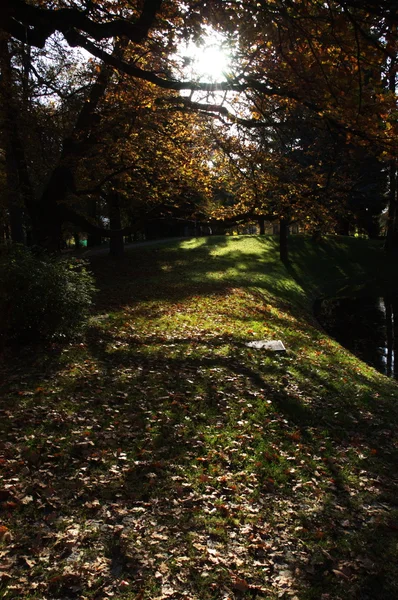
(272,345)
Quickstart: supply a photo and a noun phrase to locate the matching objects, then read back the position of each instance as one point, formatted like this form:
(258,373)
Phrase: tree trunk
(343,227)
(316,236)
(51,211)
(283,240)
(392,225)
(14,201)
(47,217)
(116,242)
(390,336)
(76,238)
(11,143)
(261,223)
(392,234)
(93,239)
(394,310)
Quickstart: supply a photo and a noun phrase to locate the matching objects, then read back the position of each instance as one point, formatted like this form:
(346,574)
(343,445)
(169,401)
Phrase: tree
(392,69)
(94,135)
(319,67)
(326,57)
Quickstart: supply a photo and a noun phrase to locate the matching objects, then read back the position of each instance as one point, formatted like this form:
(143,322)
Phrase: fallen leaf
(5,534)
(240,585)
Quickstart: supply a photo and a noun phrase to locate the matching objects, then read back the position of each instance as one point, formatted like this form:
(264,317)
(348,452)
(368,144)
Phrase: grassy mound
(164,458)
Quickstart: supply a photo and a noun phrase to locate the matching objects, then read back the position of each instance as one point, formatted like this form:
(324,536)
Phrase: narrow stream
(367,326)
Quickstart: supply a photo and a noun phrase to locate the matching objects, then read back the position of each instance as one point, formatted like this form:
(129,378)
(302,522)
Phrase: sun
(208,62)
(212,62)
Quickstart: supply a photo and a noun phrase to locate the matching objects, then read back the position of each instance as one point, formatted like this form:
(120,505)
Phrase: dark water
(367,326)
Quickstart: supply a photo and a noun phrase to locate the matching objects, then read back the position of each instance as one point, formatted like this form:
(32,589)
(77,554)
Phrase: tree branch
(34,25)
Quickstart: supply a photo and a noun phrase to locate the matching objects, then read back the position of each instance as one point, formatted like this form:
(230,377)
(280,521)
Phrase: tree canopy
(97,104)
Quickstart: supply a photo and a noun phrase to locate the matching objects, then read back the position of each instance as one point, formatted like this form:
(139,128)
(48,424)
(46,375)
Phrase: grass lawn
(163,458)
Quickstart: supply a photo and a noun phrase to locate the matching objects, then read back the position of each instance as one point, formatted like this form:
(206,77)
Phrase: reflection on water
(367,326)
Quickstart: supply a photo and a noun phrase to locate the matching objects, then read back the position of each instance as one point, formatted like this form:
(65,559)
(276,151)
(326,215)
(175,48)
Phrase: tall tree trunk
(47,224)
(116,242)
(93,239)
(261,223)
(51,211)
(390,335)
(392,222)
(391,242)
(283,240)
(14,201)
(343,227)
(394,310)
(11,144)
(76,238)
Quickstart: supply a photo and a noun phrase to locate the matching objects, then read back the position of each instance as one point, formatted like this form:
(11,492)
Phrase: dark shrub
(42,298)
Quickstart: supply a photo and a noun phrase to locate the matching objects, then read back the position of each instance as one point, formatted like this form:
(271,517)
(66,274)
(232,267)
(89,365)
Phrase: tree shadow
(328,428)
(139,412)
(198,271)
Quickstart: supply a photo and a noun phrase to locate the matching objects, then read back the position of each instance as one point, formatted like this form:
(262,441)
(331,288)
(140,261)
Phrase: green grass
(163,458)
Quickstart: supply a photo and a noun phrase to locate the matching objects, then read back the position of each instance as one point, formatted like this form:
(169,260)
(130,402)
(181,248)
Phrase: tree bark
(391,242)
(392,225)
(14,202)
(116,242)
(394,309)
(11,144)
(94,238)
(261,223)
(343,227)
(390,335)
(283,240)
(76,238)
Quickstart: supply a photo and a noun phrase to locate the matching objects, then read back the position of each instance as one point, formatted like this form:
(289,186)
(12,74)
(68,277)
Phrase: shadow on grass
(340,422)
(141,433)
(198,270)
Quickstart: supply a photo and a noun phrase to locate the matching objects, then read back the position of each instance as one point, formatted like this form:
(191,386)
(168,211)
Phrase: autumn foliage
(130,138)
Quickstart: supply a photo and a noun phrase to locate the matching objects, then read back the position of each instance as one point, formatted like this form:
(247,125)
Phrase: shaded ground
(162,458)
(104,250)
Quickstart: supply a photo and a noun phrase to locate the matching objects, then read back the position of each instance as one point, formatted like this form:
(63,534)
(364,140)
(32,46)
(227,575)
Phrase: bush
(42,298)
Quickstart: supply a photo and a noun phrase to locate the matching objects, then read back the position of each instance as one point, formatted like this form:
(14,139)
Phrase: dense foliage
(42,298)
(121,131)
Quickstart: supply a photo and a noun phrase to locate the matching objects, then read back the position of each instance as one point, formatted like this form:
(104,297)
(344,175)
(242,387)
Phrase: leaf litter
(163,459)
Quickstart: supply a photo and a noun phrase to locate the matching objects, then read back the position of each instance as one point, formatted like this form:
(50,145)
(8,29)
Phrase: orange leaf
(5,534)
(240,584)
